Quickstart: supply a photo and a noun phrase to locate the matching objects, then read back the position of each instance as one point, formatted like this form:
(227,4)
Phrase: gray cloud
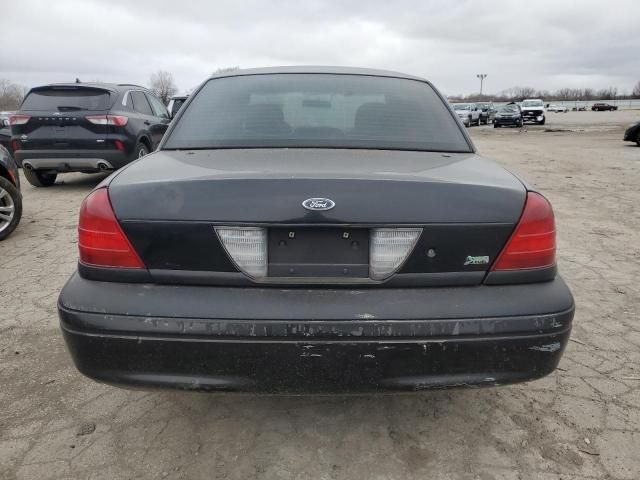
(542,43)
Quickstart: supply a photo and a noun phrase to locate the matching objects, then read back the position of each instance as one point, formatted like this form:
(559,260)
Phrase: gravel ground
(583,421)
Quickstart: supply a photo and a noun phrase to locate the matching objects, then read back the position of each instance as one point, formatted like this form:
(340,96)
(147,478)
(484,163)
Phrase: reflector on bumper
(247,247)
(388,249)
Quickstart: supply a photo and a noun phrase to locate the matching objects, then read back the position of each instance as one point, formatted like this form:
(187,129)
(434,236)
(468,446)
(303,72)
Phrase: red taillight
(15,145)
(533,242)
(115,120)
(119,145)
(19,119)
(101,241)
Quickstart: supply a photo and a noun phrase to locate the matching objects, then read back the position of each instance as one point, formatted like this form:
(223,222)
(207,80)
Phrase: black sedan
(632,134)
(310,229)
(10,197)
(509,115)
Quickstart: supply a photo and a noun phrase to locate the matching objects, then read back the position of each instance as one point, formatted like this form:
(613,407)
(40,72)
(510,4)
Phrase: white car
(557,108)
(469,113)
(533,110)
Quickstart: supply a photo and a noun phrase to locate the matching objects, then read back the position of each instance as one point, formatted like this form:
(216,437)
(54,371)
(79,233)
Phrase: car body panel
(632,133)
(234,185)
(8,167)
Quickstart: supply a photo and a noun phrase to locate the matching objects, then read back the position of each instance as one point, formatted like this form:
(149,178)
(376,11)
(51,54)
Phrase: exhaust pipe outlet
(103,166)
(27,165)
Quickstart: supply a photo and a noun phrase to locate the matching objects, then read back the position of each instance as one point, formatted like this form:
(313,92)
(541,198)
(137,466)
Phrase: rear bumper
(307,341)
(72,160)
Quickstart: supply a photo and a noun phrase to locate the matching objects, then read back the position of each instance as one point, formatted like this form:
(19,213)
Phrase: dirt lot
(583,421)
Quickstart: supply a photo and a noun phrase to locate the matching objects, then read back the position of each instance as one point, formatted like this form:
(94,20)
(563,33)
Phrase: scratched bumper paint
(312,341)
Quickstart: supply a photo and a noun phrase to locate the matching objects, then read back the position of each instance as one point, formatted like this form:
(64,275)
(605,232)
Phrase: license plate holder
(319,252)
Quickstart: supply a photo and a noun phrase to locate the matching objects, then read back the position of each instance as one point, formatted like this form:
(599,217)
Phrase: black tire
(495,125)
(140,151)
(10,198)
(638,139)
(542,122)
(39,179)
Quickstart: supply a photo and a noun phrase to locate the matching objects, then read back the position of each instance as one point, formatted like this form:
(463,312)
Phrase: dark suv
(85,127)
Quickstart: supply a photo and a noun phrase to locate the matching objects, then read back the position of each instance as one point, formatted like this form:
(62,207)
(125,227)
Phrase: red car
(602,107)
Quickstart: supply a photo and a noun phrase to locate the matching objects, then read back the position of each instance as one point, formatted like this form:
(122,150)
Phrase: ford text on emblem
(318,204)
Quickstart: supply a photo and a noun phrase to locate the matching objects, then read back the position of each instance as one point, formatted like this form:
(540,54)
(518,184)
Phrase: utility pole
(481,76)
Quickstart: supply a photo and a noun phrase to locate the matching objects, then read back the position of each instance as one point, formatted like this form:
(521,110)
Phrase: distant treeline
(517,94)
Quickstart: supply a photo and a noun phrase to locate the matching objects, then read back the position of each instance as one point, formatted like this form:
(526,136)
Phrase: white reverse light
(247,246)
(388,249)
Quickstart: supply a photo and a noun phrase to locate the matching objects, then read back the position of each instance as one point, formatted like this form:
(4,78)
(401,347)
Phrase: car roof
(317,69)
(114,87)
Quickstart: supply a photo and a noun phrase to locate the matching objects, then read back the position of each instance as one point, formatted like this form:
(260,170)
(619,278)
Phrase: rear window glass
(67,100)
(317,110)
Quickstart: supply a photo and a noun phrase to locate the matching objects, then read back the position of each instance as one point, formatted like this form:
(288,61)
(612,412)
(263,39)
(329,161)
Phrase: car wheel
(140,151)
(10,207)
(39,179)
(638,139)
(495,125)
(542,122)
(470,122)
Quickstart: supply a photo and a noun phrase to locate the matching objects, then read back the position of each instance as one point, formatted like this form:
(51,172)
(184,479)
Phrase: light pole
(481,76)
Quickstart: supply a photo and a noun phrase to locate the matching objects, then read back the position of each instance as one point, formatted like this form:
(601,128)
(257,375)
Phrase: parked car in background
(10,197)
(556,108)
(469,113)
(315,229)
(533,111)
(487,112)
(85,127)
(603,107)
(175,103)
(632,133)
(509,115)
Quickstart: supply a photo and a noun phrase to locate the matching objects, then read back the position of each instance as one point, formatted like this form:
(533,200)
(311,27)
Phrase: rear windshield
(64,100)
(317,110)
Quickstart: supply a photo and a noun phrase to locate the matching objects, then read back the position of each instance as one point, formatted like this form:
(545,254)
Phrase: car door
(146,118)
(475,113)
(161,118)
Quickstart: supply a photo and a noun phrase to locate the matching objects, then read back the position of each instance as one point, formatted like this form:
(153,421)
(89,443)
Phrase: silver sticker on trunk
(479,260)
(318,204)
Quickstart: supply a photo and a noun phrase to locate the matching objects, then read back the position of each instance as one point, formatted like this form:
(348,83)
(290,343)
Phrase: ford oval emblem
(318,204)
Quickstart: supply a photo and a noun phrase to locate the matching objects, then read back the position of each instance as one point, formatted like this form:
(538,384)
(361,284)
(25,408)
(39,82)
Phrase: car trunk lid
(463,207)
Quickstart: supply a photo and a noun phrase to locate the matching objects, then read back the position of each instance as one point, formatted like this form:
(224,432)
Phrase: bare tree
(607,93)
(636,90)
(161,83)
(11,95)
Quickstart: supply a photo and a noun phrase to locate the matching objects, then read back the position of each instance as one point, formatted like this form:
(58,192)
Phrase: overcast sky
(545,44)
